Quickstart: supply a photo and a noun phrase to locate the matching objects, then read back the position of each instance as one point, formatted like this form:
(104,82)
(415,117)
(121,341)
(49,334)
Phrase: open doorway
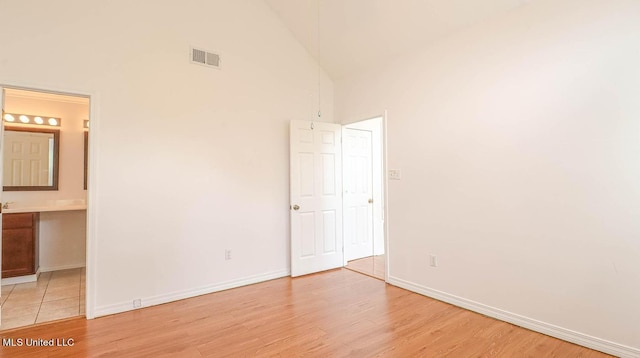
(363,198)
(44,211)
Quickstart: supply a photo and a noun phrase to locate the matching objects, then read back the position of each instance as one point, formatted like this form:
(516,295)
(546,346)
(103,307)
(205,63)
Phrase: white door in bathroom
(316,197)
(358,193)
(28,155)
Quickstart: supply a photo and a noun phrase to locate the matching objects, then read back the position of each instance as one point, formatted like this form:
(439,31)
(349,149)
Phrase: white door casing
(316,197)
(1,171)
(358,193)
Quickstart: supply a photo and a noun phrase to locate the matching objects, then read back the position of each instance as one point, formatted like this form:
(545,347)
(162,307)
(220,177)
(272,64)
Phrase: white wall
(518,141)
(189,161)
(62,235)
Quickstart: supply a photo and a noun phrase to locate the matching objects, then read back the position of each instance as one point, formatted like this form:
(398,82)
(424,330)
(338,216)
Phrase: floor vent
(205,58)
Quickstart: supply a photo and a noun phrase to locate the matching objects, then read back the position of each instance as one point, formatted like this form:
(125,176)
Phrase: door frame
(92,182)
(384,194)
(1,183)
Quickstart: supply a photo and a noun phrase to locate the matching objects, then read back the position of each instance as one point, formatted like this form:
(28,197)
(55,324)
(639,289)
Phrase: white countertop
(45,205)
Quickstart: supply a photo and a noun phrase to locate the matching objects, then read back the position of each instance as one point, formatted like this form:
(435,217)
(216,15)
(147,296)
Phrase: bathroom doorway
(363,198)
(44,212)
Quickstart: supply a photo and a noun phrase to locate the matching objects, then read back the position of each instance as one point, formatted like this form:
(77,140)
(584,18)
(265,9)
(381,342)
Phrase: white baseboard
(20,279)
(175,296)
(522,321)
(33,278)
(61,267)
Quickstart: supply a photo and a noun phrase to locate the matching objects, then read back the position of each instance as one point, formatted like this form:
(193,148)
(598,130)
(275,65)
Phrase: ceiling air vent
(205,58)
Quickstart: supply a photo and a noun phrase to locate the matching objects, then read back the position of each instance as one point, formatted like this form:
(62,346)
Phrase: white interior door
(316,197)
(358,193)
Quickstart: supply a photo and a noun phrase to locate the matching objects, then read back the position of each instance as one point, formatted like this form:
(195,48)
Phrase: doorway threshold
(373,266)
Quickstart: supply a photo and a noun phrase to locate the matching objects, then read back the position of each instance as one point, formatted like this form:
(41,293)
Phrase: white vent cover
(202,57)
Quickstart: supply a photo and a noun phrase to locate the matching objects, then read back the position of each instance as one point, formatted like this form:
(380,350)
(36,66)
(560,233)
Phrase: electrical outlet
(395,174)
(433,260)
(137,303)
(227,254)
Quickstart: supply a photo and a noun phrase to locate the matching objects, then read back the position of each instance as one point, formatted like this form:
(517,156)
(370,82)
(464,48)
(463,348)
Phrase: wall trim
(33,278)
(61,267)
(21,279)
(180,295)
(522,321)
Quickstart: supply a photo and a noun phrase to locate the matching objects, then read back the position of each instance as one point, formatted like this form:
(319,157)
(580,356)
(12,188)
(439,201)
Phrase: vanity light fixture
(29,119)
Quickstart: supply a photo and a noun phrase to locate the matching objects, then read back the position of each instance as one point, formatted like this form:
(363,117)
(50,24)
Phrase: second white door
(358,193)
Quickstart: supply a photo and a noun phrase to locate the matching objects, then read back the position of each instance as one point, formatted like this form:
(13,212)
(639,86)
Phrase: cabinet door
(18,252)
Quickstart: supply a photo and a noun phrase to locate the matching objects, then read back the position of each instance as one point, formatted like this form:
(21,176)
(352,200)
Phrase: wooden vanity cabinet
(19,244)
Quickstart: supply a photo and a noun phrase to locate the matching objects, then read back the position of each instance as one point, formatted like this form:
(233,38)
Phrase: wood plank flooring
(373,266)
(337,313)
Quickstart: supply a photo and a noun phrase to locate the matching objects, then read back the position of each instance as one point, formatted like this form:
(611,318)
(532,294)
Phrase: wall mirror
(31,159)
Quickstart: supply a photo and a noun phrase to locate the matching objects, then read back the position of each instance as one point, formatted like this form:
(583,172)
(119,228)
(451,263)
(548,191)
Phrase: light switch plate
(394,174)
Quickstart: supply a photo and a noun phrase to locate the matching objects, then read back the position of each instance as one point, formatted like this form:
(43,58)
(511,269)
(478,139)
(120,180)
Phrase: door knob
(370,201)
(296,207)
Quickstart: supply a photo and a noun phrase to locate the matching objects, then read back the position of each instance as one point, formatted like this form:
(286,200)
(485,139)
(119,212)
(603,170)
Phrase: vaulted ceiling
(356,35)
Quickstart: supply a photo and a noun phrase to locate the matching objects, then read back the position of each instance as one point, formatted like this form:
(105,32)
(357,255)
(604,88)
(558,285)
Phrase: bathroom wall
(62,234)
(62,240)
(71,171)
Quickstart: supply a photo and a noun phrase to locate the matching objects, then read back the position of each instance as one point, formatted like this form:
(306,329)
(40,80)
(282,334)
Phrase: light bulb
(8,117)
(24,119)
(53,122)
(38,120)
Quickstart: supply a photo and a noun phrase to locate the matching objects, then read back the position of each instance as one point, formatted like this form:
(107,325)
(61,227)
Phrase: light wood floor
(373,266)
(338,313)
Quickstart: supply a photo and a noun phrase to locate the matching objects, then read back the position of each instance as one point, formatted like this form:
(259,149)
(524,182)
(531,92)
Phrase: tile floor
(373,266)
(56,295)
